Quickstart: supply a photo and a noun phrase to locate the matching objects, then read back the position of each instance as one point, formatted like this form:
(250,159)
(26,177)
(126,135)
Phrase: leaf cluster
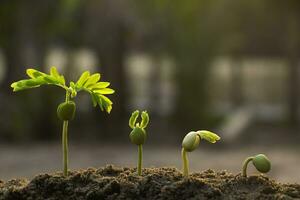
(87,82)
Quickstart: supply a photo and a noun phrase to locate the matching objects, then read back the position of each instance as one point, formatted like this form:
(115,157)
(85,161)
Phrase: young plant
(66,110)
(191,142)
(138,135)
(260,162)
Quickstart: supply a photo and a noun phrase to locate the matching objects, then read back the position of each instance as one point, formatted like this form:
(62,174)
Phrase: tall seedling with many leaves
(87,82)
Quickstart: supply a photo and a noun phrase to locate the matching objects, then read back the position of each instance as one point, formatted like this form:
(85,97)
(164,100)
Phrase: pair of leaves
(145,119)
(38,78)
(87,82)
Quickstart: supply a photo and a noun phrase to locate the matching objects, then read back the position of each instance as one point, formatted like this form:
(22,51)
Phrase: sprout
(260,162)
(66,110)
(191,142)
(138,135)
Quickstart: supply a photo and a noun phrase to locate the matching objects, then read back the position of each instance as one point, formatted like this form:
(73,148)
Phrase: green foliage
(38,78)
(66,111)
(97,90)
(87,82)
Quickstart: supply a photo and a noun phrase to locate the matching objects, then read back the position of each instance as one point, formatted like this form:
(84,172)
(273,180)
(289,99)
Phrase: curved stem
(65,147)
(140,160)
(185,162)
(245,165)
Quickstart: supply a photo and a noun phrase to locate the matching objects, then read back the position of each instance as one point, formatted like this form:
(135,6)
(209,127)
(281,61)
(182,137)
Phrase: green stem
(65,141)
(65,147)
(140,160)
(245,165)
(185,163)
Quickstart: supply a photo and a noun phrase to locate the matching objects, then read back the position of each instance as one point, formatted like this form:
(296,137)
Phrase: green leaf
(92,80)
(106,103)
(100,85)
(27,84)
(51,80)
(54,72)
(133,118)
(94,99)
(145,119)
(208,136)
(32,73)
(104,91)
(83,78)
(38,78)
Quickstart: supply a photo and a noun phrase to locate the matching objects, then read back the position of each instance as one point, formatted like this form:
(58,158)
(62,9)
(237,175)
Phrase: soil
(156,183)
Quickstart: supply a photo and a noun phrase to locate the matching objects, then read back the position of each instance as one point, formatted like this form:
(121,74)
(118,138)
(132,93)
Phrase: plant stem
(140,160)
(185,163)
(65,141)
(65,147)
(245,165)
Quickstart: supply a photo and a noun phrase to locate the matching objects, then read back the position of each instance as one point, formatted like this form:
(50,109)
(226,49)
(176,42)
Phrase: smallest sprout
(260,162)
(191,142)
(138,134)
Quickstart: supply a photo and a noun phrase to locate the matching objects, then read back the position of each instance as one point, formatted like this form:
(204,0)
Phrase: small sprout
(138,134)
(66,110)
(191,142)
(260,162)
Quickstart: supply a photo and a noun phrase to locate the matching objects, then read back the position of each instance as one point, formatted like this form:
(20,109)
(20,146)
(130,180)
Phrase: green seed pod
(66,111)
(191,141)
(262,163)
(138,136)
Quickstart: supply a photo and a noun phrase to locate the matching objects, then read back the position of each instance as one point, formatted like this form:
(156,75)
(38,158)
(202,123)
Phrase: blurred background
(226,65)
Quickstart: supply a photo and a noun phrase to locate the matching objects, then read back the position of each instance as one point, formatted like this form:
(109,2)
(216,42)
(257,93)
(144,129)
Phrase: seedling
(66,110)
(260,162)
(138,135)
(191,142)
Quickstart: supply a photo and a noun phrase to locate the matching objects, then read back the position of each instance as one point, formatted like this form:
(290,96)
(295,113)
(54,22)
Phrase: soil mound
(156,183)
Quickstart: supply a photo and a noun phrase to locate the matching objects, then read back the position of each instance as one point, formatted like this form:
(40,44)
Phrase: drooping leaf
(105,102)
(94,99)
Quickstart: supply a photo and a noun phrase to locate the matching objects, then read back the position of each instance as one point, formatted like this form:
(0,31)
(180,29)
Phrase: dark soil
(156,183)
